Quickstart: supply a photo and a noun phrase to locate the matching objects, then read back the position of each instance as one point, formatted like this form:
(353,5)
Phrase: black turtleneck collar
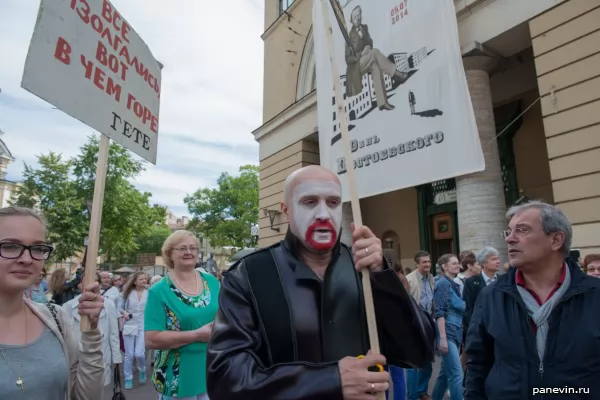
(292,244)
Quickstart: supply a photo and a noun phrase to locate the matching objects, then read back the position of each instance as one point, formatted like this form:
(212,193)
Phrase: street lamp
(88,206)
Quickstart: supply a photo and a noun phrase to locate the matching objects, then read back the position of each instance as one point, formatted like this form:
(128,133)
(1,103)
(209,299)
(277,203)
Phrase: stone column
(347,219)
(480,196)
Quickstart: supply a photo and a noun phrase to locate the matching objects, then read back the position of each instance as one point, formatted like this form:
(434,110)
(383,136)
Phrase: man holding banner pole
(292,321)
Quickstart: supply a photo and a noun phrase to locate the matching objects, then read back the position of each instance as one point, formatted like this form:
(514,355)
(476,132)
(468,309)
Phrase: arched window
(307,77)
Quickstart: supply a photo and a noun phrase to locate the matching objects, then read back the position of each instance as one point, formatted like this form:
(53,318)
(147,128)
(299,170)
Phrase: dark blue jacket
(502,360)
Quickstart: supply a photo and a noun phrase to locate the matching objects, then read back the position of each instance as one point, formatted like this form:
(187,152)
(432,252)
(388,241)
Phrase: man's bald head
(313,205)
(311,172)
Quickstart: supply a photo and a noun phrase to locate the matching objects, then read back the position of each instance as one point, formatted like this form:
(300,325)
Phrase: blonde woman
(132,304)
(40,356)
(181,309)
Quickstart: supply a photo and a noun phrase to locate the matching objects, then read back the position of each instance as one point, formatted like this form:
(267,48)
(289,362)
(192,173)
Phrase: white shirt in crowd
(111,293)
(109,326)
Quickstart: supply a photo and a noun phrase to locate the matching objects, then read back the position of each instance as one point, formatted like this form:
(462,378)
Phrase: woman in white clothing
(132,304)
(108,323)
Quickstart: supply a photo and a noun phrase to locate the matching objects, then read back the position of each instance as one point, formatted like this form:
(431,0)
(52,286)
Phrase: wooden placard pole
(95,221)
(354,200)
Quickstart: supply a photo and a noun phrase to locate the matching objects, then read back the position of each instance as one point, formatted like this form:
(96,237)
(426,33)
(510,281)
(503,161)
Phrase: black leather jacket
(328,326)
(69,291)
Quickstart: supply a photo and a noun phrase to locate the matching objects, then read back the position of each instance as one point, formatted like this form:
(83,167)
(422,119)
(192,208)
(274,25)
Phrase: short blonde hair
(171,242)
(21,212)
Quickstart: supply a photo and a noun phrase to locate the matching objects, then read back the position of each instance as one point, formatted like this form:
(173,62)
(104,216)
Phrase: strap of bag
(273,308)
(55,316)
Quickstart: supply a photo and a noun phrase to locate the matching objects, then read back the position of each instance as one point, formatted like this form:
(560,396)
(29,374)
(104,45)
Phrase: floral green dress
(181,372)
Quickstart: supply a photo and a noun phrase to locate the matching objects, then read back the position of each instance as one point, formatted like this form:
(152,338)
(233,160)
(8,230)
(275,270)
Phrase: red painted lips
(324,227)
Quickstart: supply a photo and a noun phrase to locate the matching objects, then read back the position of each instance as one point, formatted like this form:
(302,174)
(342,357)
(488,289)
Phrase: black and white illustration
(404,89)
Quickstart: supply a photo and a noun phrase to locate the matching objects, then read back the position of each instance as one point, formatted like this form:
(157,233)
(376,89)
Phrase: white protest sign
(407,104)
(85,59)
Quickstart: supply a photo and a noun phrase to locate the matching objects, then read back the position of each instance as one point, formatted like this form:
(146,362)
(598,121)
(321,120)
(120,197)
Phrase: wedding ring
(95,297)
(372,386)
(367,250)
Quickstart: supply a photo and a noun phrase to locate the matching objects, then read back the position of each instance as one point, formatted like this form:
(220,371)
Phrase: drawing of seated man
(366,59)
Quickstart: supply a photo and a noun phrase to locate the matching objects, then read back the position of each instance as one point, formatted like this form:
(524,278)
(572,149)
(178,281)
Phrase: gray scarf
(540,314)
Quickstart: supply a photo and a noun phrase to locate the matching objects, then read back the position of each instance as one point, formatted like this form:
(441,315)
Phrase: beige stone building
(534,63)
(6,187)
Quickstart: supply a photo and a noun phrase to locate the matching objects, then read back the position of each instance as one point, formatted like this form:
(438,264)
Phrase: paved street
(139,392)
(147,392)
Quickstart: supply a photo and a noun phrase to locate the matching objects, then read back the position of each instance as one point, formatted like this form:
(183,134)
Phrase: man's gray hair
(484,254)
(553,220)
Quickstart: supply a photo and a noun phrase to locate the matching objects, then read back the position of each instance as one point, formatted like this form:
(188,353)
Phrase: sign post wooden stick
(96,220)
(354,200)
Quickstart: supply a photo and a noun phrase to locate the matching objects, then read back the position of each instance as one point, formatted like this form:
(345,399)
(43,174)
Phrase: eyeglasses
(518,232)
(183,249)
(13,251)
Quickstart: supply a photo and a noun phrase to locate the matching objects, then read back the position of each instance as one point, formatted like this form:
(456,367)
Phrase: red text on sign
(399,11)
(107,12)
(102,82)
(116,42)
(112,15)
(142,112)
(111,61)
(63,51)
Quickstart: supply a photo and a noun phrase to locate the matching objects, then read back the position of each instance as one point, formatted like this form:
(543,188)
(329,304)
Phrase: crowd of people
(168,318)
(473,335)
(289,321)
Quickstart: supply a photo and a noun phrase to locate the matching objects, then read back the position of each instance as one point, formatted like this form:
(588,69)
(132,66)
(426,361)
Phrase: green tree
(225,214)
(126,214)
(50,190)
(152,241)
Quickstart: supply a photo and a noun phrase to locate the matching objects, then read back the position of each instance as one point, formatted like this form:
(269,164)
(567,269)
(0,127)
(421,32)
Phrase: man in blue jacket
(536,331)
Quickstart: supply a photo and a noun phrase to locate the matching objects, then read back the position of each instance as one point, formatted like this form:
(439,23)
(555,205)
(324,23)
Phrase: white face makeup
(316,200)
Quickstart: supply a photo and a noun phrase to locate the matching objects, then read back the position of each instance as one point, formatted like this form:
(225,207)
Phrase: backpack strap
(55,316)
(273,307)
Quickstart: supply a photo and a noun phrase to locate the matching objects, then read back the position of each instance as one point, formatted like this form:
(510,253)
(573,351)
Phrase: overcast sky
(211,92)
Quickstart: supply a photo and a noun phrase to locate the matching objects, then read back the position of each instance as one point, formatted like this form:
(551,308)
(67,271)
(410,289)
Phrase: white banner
(422,128)
(85,59)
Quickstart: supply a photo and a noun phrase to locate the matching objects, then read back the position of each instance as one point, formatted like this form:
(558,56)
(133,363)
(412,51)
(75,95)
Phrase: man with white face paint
(292,321)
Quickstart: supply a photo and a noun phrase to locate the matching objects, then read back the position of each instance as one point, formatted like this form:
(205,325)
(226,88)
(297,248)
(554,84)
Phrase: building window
(284,5)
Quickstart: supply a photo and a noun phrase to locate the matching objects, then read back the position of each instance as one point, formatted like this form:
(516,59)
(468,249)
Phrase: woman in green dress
(178,320)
